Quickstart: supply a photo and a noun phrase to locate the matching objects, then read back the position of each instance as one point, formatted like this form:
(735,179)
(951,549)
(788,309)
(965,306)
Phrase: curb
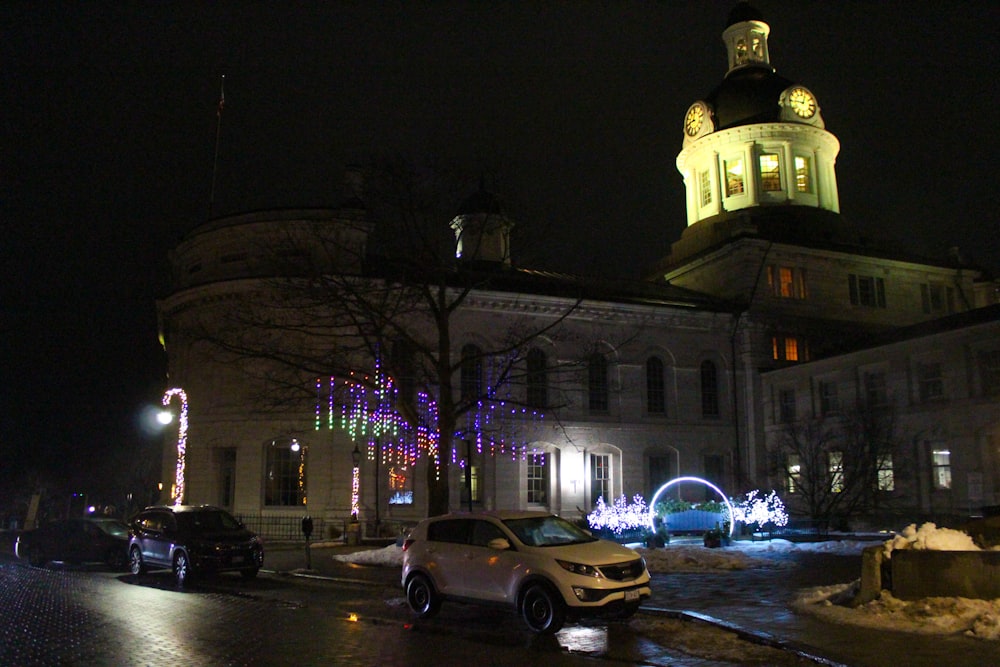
(761,638)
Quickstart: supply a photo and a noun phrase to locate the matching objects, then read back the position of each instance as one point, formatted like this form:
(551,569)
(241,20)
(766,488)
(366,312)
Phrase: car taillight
(407,542)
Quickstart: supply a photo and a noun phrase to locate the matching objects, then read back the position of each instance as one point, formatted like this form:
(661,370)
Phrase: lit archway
(698,480)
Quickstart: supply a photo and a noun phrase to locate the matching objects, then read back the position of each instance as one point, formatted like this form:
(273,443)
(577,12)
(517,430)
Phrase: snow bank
(391,556)
(930,537)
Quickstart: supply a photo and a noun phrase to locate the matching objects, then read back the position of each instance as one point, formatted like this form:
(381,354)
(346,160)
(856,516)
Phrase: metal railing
(276,527)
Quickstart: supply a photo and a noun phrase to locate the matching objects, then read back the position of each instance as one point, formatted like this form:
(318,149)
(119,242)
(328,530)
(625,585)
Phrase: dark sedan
(82,540)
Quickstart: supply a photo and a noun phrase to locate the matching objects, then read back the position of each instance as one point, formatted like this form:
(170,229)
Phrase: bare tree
(839,465)
(383,289)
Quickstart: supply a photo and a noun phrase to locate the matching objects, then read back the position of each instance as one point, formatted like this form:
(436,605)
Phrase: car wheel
(135,564)
(542,609)
(182,569)
(422,597)
(249,573)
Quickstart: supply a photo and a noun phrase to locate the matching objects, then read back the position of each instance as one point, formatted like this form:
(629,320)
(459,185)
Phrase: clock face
(802,102)
(694,119)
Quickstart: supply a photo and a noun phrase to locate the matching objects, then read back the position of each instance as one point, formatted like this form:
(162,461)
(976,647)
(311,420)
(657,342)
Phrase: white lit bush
(620,516)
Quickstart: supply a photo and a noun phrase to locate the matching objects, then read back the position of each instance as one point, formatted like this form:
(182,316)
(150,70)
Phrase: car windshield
(115,528)
(547,531)
(212,520)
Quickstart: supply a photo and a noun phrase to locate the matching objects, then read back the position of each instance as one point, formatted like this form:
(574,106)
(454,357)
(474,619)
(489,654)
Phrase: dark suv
(192,539)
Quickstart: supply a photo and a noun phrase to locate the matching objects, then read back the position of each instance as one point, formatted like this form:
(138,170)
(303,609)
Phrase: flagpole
(218,132)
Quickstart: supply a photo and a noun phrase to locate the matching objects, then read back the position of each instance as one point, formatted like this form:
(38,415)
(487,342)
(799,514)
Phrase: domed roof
(743,11)
(481,202)
(747,96)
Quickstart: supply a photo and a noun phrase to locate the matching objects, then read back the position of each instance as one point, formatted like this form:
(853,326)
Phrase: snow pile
(930,537)
(691,558)
(390,556)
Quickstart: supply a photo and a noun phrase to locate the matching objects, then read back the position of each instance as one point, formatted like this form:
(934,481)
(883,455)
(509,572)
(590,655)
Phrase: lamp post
(178,494)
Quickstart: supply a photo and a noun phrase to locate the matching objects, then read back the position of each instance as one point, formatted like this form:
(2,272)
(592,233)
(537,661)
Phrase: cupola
(482,229)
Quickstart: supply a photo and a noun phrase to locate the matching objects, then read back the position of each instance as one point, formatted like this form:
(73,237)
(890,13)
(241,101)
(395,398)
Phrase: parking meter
(307,526)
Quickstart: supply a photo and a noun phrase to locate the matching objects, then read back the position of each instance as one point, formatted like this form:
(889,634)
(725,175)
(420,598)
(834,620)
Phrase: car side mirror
(499,543)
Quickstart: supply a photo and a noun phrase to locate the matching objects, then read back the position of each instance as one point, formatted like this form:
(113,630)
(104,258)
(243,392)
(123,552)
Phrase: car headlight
(579,568)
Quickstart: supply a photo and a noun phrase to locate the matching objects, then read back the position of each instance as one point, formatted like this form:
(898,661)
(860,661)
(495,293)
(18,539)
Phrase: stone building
(664,377)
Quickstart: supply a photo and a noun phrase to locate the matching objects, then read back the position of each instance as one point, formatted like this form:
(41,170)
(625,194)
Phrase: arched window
(472,373)
(597,382)
(285,476)
(537,379)
(656,400)
(709,390)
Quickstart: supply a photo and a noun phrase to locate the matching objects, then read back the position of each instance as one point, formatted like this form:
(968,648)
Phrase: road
(87,615)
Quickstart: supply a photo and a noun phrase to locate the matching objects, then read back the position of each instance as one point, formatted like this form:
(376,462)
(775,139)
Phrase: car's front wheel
(422,597)
(182,569)
(116,558)
(135,564)
(542,609)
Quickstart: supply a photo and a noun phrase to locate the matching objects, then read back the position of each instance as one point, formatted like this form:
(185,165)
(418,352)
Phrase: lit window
(757,45)
(600,477)
(741,51)
(886,479)
(770,173)
(705,186)
(803,174)
(734,177)
(400,485)
(794,472)
(786,282)
(941,468)
(836,470)
(930,381)
(538,479)
(788,348)
(285,479)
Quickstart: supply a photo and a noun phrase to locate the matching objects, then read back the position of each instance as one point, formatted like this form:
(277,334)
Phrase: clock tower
(758,139)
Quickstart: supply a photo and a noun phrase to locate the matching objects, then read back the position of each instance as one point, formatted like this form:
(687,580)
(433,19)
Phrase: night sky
(108,128)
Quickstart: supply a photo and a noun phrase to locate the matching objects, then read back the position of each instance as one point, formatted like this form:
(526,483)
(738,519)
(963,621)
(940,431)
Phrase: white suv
(542,565)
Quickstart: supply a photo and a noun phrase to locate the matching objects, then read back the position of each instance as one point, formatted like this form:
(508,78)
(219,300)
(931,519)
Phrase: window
(709,390)
(714,467)
(930,382)
(472,373)
(788,348)
(836,471)
(786,282)
(538,479)
(655,395)
(885,478)
(803,174)
(793,470)
(829,401)
(937,298)
(941,468)
(770,172)
(705,187)
(989,371)
(786,406)
(400,485)
(661,471)
(600,478)
(538,383)
(597,383)
(734,177)
(876,395)
(285,478)
(867,291)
